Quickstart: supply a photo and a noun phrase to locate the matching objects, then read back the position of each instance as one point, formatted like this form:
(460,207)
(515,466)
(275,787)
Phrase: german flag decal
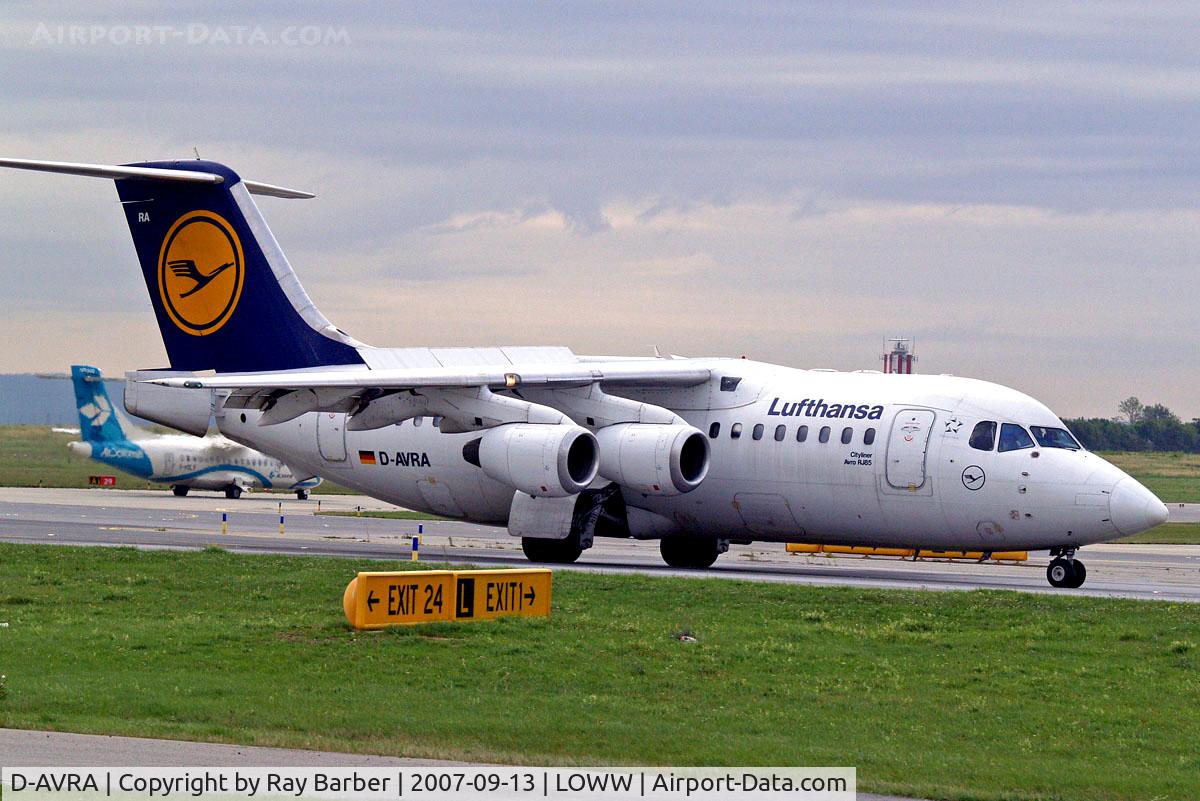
(366,457)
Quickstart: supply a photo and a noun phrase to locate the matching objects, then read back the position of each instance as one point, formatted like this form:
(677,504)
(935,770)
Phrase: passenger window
(869,436)
(847,435)
(780,432)
(714,430)
(735,431)
(437,421)
(824,434)
(417,421)
(758,431)
(801,433)
(983,438)
(1014,438)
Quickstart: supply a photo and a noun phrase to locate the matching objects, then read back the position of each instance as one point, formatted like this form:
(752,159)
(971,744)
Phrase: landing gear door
(439,497)
(906,448)
(766,513)
(331,436)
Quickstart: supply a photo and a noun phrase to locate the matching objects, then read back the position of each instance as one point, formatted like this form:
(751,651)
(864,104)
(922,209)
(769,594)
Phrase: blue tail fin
(225,297)
(98,420)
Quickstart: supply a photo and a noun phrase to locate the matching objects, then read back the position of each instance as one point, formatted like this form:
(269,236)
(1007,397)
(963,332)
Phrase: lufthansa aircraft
(563,448)
(205,463)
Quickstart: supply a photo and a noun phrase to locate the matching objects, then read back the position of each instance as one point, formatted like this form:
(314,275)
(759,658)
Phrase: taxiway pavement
(155,519)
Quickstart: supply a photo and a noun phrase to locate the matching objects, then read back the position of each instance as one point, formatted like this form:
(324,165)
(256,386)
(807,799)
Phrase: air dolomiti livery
(184,462)
(563,448)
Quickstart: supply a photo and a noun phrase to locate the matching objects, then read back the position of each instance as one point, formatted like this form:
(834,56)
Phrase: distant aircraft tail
(98,419)
(224,294)
(104,436)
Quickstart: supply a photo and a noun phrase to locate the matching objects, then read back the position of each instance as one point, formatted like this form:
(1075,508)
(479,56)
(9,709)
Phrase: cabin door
(907,447)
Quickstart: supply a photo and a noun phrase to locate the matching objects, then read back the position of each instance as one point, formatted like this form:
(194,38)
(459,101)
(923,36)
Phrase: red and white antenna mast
(900,358)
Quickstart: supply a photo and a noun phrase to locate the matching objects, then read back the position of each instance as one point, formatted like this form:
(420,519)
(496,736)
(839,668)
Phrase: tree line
(1137,428)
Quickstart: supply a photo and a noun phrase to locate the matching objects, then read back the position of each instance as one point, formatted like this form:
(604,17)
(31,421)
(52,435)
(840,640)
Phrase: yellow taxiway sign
(376,600)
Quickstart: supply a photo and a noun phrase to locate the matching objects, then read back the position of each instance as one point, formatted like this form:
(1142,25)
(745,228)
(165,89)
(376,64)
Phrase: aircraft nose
(1133,508)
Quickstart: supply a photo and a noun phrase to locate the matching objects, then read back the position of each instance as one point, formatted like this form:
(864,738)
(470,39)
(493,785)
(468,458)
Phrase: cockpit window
(1054,438)
(983,438)
(1014,438)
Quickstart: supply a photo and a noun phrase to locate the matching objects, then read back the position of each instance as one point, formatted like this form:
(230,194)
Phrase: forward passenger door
(907,447)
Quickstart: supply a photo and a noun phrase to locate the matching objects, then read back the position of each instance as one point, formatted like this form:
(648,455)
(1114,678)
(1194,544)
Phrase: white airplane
(184,462)
(562,448)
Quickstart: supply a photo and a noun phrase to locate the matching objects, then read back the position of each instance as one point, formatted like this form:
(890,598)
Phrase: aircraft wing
(644,373)
(466,395)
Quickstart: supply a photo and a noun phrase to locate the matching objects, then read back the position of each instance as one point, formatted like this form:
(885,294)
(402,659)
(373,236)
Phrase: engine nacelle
(653,459)
(187,410)
(551,461)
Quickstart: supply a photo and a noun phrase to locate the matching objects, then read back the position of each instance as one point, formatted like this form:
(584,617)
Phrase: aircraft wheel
(558,552)
(697,552)
(1061,573)
(302,495)
(1080,574)
(179,490)
(233,492)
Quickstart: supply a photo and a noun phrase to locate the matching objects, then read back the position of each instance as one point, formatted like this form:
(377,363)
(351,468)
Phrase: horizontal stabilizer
(116,172)
(258,188)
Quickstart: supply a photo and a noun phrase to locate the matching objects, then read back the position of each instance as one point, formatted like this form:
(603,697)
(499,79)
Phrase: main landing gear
(699,552)
(555,552)
(1065,570)
(233,492)
(302,495)
(179,490)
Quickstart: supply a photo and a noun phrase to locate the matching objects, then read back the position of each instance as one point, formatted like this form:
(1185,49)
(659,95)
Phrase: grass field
(1173,477)
(1168,534)
(963,695)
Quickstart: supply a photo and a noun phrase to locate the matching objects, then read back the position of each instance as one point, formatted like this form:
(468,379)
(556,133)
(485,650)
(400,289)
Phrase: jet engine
(552,461)
(653,459)
(184,409)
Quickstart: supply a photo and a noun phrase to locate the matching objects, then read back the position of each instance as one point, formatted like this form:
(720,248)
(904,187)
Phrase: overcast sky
(1018,188)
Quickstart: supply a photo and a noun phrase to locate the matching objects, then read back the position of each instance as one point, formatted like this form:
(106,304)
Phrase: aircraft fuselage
(813,456)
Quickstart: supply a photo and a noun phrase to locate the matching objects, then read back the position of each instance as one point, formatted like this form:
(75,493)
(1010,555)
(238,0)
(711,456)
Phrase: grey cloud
(434,112)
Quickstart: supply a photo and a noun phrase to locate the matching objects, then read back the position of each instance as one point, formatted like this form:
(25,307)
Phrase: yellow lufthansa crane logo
(200,272)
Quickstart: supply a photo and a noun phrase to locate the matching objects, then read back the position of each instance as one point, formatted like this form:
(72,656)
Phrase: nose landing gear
(1065,570)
